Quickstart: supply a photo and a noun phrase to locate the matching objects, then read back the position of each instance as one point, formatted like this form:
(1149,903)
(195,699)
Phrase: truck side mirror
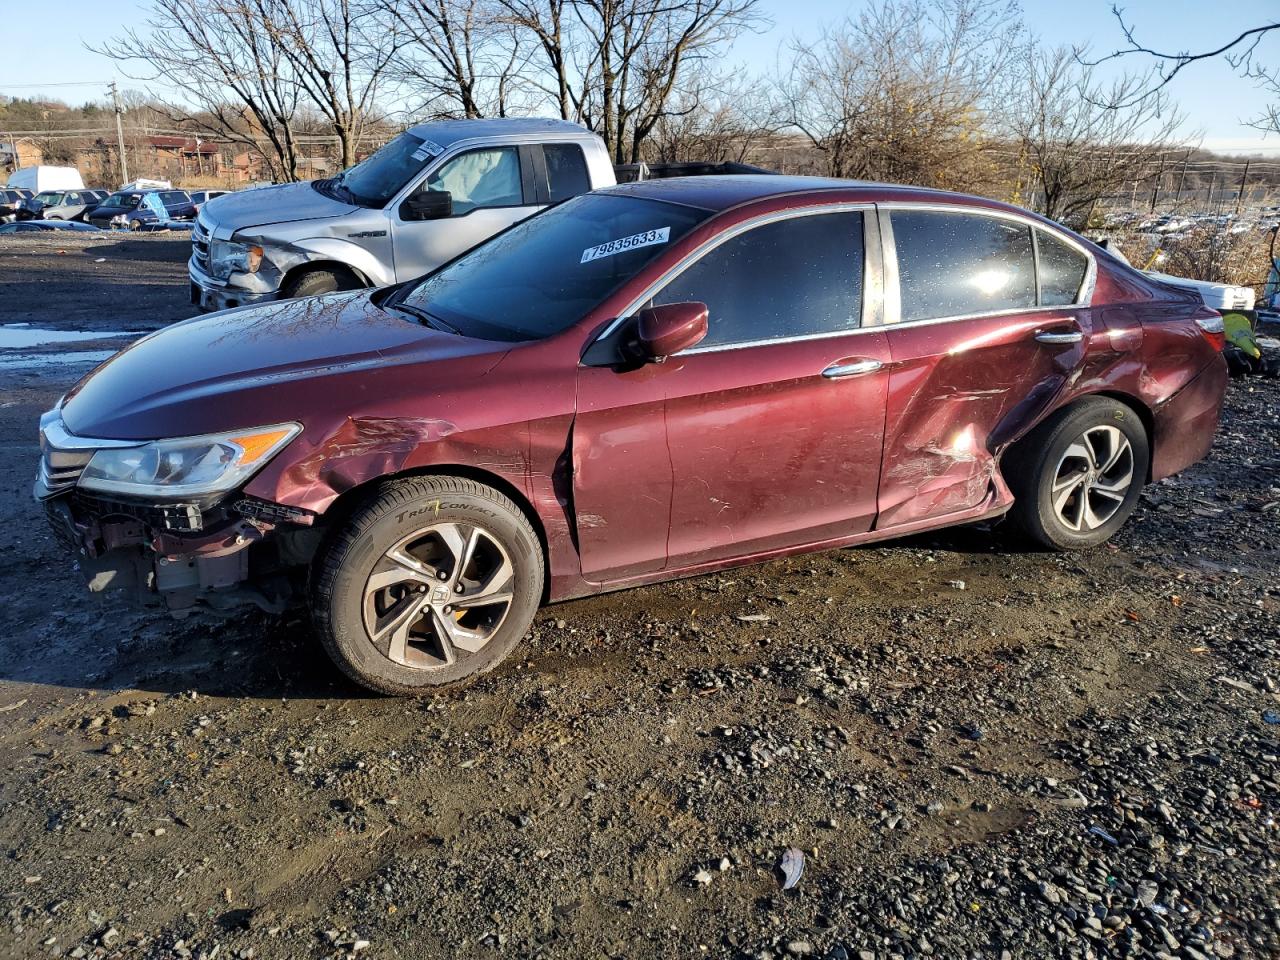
(667,329)
(427,205)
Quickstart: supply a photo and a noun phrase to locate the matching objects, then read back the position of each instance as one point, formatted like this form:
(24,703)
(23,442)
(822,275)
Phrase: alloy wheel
(438,595)
(1092,479)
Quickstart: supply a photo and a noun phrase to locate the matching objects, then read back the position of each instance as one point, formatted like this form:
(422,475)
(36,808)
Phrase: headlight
(227,257)
(190,466)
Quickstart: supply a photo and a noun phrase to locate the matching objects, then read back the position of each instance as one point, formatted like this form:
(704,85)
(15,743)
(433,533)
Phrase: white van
(40,179)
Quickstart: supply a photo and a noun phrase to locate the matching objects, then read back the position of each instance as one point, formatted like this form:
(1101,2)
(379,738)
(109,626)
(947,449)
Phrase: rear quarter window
(566,171)
(1062,270)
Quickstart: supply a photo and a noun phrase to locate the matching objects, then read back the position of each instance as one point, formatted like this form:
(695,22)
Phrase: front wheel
(135,225)
(1077,477)
(431,582)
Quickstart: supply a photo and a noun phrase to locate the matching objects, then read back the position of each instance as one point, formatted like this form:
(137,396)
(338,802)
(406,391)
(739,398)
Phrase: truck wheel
(431,582)
(1077,477)
(312,283)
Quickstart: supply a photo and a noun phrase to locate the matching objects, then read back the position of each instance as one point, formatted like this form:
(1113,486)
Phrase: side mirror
(668,329)
(427,205)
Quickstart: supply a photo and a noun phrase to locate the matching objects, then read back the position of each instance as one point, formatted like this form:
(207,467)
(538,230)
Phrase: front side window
(791,278)
(566,171)
(479,179)
(1062,270)
(547,272)
(958,264)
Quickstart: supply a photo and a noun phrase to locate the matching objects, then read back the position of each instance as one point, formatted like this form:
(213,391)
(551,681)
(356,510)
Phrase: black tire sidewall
(338,603)
(1101,411)
(316,283)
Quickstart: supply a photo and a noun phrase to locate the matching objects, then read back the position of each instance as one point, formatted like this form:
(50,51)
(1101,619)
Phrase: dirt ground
(980,751)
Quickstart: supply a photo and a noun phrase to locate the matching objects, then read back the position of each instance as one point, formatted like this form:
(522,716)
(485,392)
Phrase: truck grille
(200,244)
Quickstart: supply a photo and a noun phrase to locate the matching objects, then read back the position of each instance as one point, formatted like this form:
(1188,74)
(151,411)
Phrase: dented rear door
(977,353)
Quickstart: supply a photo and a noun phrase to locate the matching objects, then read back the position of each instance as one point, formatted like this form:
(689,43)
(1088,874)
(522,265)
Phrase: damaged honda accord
(656,380)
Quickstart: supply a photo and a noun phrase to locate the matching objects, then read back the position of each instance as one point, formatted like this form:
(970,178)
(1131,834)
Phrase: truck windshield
(545,273)
(381,175)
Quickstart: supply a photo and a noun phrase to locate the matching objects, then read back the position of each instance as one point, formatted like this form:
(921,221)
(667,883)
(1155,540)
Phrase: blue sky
(1216,102)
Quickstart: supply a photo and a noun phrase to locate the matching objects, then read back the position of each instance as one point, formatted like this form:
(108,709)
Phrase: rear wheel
(1077,477)
(431,582)
(320,280)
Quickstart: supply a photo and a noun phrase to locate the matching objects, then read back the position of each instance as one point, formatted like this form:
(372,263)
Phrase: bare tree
(459,58)
(247,70)
(339,52)
(901,93)
(1240,51)
(1076,149)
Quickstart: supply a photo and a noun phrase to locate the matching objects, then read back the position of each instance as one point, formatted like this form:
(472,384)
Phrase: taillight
(1213,330)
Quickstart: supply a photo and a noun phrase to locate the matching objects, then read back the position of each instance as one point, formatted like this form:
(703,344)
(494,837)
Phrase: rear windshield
(547,272)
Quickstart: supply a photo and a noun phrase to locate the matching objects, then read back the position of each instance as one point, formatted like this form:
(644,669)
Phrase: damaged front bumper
(217,553)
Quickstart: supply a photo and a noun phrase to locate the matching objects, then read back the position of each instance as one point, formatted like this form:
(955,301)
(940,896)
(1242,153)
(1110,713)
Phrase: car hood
(283,203)
(262,364)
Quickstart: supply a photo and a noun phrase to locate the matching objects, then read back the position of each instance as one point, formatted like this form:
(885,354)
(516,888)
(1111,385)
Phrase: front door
(773,424)
(980,348)
(492,188)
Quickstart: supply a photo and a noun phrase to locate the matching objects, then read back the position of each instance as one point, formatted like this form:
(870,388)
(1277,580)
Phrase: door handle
(1059,336)
(853,368)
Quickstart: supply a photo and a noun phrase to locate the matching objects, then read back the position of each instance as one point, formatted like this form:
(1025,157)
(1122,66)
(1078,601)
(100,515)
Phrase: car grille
(200,244)
(60,469)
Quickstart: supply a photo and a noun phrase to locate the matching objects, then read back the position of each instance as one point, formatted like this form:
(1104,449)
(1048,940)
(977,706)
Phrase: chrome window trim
(870,317)
(893,290)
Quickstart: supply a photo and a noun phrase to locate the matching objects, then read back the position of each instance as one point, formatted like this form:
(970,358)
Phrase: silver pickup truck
(433,192)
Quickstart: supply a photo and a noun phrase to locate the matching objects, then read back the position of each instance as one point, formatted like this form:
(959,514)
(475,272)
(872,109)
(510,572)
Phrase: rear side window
(566,170)
(791,278)
(955,264)
(1062,270)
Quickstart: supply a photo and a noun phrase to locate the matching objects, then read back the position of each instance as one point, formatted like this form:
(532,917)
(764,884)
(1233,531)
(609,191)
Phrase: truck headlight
(227,257)
(188,466)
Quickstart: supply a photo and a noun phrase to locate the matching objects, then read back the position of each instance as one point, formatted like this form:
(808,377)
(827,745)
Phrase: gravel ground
(980,751)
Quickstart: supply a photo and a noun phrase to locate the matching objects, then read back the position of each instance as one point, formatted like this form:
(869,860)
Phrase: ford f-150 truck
(433,192)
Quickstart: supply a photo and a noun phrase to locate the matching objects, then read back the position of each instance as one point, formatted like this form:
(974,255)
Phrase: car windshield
(49,199)
(380,176)
(129,200)
(545,273)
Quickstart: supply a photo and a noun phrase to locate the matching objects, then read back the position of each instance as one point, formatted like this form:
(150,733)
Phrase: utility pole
(124,164)
(1240,196)
(1182,177)
(1155,191)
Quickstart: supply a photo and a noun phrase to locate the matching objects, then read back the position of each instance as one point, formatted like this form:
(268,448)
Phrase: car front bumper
(209,294)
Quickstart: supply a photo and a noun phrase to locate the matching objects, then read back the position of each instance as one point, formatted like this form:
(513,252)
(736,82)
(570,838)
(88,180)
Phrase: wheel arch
(334,266)
(1145,416)
(347,502)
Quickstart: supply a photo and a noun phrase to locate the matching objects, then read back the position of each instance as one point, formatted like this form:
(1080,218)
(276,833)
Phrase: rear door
(979,347)
(492,188)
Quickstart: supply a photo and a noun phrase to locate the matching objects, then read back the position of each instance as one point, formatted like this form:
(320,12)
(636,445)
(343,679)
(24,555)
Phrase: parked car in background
(431,193)
(655,380)
(201,197)
(61,205)
(12,202)
(45,226)
(130,209)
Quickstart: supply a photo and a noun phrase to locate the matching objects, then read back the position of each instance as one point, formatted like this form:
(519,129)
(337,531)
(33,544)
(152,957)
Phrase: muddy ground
(981,750)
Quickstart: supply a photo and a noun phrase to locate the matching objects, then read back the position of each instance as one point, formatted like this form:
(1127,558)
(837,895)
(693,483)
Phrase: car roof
(448,132)
(721,192)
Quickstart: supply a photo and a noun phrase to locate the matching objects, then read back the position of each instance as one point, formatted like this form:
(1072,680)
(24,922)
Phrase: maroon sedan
(653,381)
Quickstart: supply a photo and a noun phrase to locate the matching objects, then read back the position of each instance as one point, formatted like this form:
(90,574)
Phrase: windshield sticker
(427,150)
(633,242)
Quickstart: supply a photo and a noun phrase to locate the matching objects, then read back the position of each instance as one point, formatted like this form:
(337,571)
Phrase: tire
(315,282)
(135,225)
(1077,477)
(358,591)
